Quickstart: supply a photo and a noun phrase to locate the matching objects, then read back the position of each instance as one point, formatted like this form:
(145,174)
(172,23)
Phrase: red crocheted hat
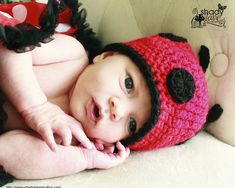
(178,88)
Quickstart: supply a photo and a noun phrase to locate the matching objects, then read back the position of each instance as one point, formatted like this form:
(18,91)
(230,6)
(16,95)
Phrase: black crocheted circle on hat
(181,85)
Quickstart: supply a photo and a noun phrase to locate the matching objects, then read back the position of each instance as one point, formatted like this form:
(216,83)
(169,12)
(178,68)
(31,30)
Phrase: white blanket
(203,161)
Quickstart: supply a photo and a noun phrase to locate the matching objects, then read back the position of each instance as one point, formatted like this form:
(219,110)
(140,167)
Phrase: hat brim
(145,68)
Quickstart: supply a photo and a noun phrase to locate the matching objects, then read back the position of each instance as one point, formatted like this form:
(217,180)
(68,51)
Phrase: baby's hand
(48,119)
(105,148)
(103,160)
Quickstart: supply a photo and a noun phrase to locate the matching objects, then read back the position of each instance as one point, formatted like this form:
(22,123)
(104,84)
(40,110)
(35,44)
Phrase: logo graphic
(204,17)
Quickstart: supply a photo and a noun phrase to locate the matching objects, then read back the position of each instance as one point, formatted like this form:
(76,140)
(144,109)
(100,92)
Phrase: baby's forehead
(133,69)
(127,59)
(135,72)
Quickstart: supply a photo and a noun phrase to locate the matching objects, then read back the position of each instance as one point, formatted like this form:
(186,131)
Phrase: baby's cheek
(75,111)
(113,137)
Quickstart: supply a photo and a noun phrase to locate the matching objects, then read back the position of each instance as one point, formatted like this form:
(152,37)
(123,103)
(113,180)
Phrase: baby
(66,115)
(44,100)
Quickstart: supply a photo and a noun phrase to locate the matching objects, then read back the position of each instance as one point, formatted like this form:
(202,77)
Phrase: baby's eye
(132,125)
(129,84)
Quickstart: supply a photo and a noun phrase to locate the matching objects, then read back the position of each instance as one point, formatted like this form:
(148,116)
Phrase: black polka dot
(181,86)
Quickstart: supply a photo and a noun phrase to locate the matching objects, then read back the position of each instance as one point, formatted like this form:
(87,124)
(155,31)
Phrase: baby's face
(111,98)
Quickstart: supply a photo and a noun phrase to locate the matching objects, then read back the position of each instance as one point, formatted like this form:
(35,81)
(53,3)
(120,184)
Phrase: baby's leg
(25,155)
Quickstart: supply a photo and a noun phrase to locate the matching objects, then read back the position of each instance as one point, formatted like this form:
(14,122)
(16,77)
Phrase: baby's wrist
(87,158)
(31,103)
(33,108)
(34,115)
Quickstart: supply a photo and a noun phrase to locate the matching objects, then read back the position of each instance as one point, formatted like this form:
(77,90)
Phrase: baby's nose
(115,108)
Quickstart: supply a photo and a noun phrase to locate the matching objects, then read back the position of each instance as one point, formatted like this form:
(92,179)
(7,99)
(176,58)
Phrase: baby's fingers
(109,149)
(65,134)
(48,137)
(120,157)
(80,135)
(122,151)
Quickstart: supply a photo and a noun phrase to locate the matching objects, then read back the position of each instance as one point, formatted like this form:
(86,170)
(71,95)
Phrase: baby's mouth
(96,112)
(93,111)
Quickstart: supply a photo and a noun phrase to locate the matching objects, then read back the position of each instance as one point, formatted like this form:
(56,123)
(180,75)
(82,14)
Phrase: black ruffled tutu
(25,25)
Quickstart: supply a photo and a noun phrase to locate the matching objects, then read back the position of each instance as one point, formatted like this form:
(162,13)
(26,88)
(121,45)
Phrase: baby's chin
(94,135)
(95,138)
(91,135)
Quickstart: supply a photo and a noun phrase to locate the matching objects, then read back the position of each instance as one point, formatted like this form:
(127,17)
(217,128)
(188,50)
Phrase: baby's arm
(26,156)
(18,82)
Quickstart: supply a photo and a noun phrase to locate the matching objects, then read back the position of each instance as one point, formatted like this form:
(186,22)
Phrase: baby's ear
(102,56)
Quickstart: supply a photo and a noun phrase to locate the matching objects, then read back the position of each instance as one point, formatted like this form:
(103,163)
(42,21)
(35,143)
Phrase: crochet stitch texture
(179,96)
